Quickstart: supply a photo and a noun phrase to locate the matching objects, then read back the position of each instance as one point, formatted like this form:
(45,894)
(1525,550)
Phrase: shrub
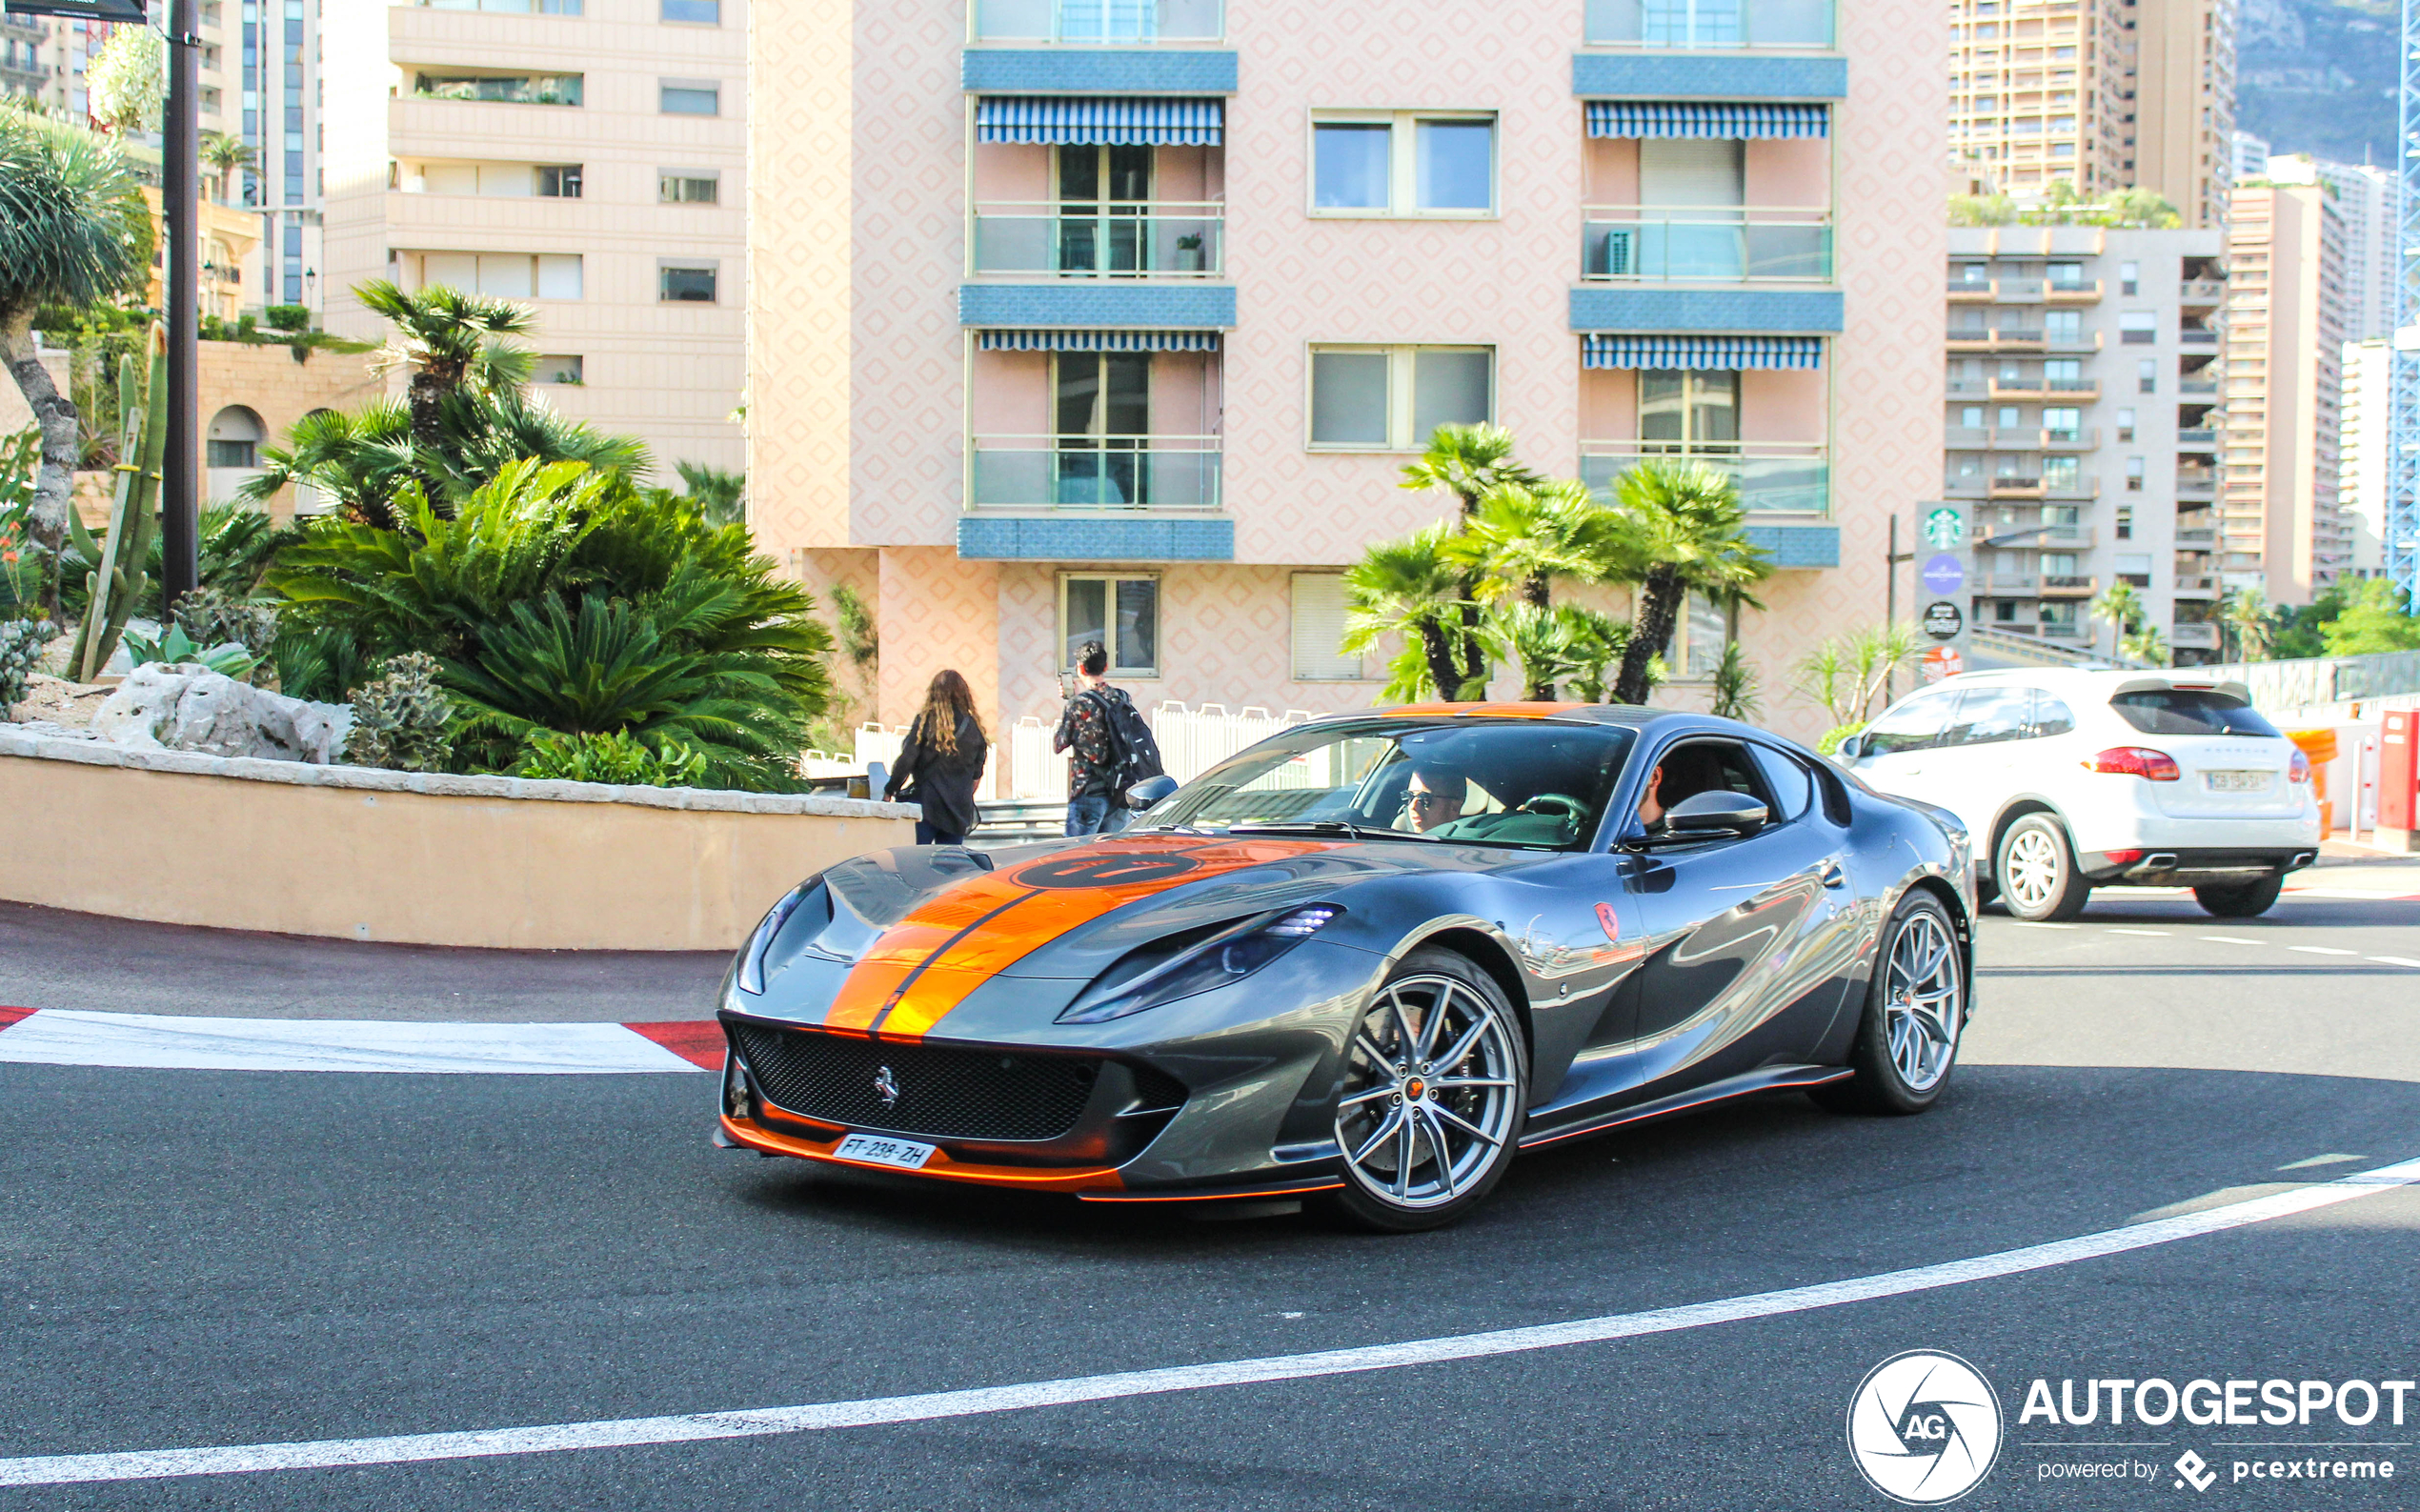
(400,718)
(176,648)
(288,317)
(1833,737)
(21,643)
(214,616)
(620,757)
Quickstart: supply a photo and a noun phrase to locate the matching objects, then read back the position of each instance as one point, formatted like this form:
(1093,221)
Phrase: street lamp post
(180,187)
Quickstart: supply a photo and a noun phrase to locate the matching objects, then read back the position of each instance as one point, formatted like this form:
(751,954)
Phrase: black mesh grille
(942,1093)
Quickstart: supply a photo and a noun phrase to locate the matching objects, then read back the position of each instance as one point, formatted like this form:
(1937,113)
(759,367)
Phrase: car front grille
(941,1091)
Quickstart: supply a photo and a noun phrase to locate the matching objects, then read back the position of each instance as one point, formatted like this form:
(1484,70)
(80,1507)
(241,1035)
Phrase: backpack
(1133,753)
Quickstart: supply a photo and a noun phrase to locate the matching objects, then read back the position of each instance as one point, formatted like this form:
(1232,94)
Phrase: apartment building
(1080,323)
(272,102)
(2284,338)
(2365,414)
(2082,416)
(24,69)
(2368,202)
(584,156)
(2105,94)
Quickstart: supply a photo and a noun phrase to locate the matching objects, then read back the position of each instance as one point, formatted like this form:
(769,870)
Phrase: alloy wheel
(1923,996)
(1428,1105)
(2033,868)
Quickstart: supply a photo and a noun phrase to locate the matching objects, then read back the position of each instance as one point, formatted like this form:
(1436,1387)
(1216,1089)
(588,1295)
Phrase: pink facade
(897,446)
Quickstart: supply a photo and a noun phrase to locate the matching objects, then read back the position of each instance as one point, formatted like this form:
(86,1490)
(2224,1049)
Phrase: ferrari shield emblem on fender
(886,1086)
(1612,927)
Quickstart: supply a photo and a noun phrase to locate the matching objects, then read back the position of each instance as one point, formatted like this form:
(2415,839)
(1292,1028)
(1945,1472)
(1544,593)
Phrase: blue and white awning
(1719,352)
(1058,118)
(1734,120)
(1097,340)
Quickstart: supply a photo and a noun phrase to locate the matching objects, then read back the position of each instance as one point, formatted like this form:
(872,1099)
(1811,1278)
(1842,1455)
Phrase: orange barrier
(2320,746)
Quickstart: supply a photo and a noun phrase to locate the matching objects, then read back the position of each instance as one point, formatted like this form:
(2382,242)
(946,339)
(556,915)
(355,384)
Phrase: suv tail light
(2135,762)
(2298,770)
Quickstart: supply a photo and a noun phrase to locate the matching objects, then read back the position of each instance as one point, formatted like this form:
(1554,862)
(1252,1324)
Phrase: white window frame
(1402,164)
(688,264)
(709,175)
(1399,391)
(1109,613)
(1361,672)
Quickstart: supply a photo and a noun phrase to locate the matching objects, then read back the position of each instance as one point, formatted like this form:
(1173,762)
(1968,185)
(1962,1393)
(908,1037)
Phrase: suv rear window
(2191,711)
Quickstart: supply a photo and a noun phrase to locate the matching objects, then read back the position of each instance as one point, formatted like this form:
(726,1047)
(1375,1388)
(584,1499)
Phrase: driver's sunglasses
(1430,800)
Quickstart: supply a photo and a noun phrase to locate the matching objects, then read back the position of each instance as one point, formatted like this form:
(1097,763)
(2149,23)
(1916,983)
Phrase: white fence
(881,743)
(1191,742)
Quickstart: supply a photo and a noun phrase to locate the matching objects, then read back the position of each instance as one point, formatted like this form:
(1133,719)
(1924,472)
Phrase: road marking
(58,1037)
(2319,1160)
(2396,960)
(2030,923)
(2155,934)
(2322,950)
(2230,939)
(63,1469)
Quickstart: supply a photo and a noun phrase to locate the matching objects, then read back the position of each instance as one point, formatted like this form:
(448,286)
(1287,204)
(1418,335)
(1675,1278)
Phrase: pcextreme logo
(1924,1427)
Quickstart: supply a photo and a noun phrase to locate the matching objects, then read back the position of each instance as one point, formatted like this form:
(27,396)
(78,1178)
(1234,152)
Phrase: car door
(1894,754)
(1738,972)
(1972,762)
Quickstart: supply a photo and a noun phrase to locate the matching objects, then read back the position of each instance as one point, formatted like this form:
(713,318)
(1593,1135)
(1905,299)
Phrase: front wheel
(2246,900)
(2036,873)
(1436,1083)
(1915,1010)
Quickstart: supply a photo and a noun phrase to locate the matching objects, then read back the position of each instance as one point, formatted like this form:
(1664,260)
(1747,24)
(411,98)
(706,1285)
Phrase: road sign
(1942,621)
(1943,661)
(1944,528)
(1944,575)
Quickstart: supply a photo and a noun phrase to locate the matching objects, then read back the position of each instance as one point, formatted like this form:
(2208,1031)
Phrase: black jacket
(944,783)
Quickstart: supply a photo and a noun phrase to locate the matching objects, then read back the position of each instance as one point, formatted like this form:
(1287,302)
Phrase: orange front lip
(1086,1179)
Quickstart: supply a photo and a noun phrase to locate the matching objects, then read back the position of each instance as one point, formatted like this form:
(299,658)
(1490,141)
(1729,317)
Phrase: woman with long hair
(940,761)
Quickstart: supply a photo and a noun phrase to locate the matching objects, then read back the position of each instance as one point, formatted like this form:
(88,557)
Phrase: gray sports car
(1371,959)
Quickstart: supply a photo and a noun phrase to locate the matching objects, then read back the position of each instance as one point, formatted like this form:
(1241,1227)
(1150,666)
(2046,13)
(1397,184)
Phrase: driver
(1436,797)
(1650,802)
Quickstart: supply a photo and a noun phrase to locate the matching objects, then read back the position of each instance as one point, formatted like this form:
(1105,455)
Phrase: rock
(55,701)
(187,707)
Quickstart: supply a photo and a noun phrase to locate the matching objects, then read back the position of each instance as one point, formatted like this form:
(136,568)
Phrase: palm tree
(73,231)
(443,336)
(1597,641)
(2146,644)
(360,460)
(1410,588)
(720,495)
(1520,538)
(2245,619)
(1469,461)
(1845,674)
(226,153)
(1681,530)
(2121,609)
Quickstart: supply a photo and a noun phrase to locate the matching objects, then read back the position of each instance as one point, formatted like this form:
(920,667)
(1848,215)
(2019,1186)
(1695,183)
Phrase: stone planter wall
(357,854)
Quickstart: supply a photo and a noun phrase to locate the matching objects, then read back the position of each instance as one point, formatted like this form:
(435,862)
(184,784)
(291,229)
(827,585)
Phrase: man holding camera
(1094,804)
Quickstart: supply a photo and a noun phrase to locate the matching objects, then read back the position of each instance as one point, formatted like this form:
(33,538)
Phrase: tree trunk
(1439,657)
(426,391)
(1535,590)
(1539,692)
(1658,606)
(1473,685)
(54,485)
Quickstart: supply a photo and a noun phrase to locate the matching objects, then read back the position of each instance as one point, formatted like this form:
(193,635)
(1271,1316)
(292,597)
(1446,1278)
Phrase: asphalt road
(201,1257)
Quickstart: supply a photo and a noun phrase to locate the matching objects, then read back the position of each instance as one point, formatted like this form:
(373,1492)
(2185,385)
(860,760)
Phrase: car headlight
(768,934)
(1228,956)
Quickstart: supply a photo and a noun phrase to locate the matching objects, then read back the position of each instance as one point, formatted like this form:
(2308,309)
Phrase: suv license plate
(2236,781)
(905,1154)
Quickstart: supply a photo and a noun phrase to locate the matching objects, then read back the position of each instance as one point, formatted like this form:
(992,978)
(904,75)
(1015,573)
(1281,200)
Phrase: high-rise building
(1120,323)
(2369,201)
(2083,422)
(282,90)
(2282,531)
(2251,156)
(2361,490)
(2103,94)
(23,68)
(585,157)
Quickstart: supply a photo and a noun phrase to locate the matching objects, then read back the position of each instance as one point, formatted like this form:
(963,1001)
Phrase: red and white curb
(66,1036)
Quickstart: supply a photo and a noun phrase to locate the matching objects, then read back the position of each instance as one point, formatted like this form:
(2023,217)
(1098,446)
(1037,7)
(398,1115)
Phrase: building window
(235,435)
(2134,475)
(1404,163)
(499,89)
(1699,634)
(546,8)
(1391,398)
(2063,326)
(2138,327)
(1970,417)
(507,275)
(688,96)
(2067,275)
(558,368)
(688,186)
(2129,279)
(1117,611)
(231,453)
(559,181)
(2010,417)
(686,283)
(2125,424)
(692,12)
(1320,611)
(2146,376)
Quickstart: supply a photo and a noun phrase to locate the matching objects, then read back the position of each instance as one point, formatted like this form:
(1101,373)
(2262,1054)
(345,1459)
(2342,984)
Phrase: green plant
(721,497)
(1735,686)
(21,643)
(212,617)
(226,153)
(176,649)
(20,459)
(2245,624)
(320,664)
(120,578)
(619,758)
(401,717)
(288,317)
(1410,588)
(126,82)
(1829,741)
(441,335)
(1469,462)
(1845,674)
(1681,528)
(1596,642)
(2376,620)
(1520,537)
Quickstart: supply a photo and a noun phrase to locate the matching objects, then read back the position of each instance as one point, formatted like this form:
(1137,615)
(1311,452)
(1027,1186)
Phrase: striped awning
(1616,351)
(1059,118)
(1097,340)
(1736,119)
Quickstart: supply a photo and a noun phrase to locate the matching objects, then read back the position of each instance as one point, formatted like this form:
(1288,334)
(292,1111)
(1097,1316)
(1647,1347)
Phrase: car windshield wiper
(1359,832)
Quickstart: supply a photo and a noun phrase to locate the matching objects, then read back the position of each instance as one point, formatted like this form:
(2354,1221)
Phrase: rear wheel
(2243,901)
(2036,873)
(1915,1010)
(1435,1083)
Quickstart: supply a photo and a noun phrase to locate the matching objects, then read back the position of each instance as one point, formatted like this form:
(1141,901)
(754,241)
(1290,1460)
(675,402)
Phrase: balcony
(2202,291)
(1100,23)
(1971,437)
(2201,588)
(2009,582)
(1710,24)
(1638,244)
(2192,336)
(2008,338)
(1084,473)
(2197,485)
(2198,438)
(2067,585)
(2012,487)
(1155,239)
(2197,386)
(2194,637)
(1970,290)
(2076,390)
(1775,477)
(2065,538)
(2086,292)
(2064,630)
(2198,539)
(2084,438)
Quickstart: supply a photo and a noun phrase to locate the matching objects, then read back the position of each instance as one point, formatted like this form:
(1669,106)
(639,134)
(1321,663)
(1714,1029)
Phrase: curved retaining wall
(358,853)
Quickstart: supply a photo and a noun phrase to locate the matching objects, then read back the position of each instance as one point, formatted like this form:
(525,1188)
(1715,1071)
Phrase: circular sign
(1924,1427)
(1942,661)
(1104,871)
(1943,621)
(1943,575)
(1944,528)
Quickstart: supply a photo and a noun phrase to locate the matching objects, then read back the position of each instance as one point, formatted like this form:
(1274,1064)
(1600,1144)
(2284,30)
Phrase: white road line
(2396,960)
(2322,950)
(78,1037)
(65,1469)
(2230,939)
(2155,934)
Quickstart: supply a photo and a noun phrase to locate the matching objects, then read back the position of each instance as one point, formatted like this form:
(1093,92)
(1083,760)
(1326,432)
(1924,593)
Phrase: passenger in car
(1436,798)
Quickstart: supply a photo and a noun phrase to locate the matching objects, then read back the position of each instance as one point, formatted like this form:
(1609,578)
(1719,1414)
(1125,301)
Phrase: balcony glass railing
(1779,477)
(1630,244)
(1711,23)
(1116,473)
(1149,240)
(1100,23)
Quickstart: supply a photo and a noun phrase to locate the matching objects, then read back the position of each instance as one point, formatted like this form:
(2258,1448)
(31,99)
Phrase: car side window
(1707,766)
(1792,785)
(1913,726)
(2051,717)
(1989,715)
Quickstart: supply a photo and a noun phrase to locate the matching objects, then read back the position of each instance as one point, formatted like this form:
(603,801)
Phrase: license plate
(2236,781)
(905,1154)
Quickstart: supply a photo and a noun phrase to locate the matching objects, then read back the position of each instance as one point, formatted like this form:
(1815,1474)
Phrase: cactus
(21,643)
(400,718)
(118,583)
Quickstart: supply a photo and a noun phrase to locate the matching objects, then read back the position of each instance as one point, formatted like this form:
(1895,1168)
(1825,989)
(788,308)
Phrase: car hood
(913,932)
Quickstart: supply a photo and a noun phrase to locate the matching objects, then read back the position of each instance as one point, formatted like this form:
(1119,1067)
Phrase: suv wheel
(2036,873)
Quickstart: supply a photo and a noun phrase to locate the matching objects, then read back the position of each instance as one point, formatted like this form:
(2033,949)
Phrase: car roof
(1587,712)
(2094,683)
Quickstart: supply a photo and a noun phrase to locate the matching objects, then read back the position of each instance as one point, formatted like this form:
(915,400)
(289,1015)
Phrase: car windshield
(1527,783)
(2191,711)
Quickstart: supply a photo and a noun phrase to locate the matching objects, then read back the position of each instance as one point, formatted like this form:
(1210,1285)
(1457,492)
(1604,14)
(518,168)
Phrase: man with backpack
(1111,747)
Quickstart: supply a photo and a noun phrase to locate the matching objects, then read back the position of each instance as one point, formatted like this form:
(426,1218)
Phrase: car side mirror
(1148,792)
(1716,813)
(1849,747)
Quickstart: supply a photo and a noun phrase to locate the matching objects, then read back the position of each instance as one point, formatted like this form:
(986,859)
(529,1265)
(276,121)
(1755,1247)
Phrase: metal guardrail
(2301,683)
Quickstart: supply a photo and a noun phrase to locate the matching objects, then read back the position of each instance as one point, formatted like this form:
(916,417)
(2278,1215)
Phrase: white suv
(2066,779)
